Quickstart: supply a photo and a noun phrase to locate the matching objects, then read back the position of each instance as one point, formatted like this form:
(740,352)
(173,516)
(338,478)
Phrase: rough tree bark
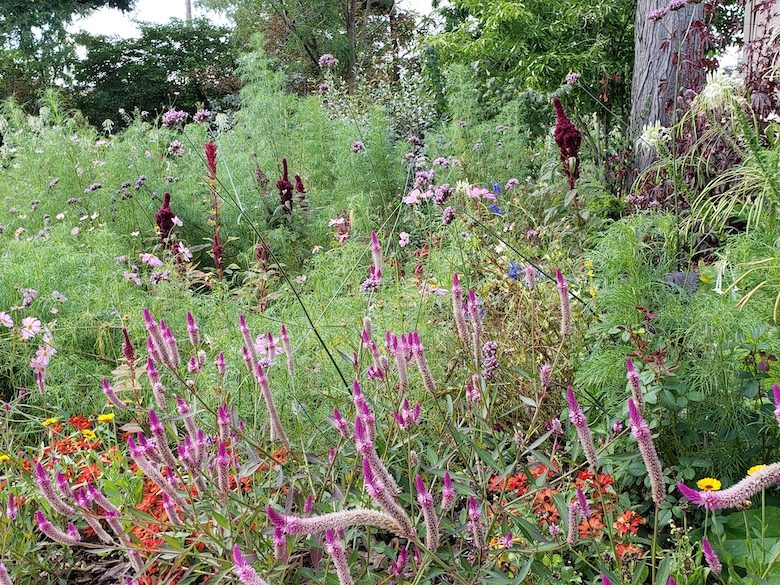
(761,36)
(666,54)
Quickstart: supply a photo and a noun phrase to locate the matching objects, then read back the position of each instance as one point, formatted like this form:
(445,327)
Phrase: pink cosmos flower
(150,259)
(5,320)
(30,328)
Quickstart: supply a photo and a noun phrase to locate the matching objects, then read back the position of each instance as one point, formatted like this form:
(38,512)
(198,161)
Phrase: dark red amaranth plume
(164,217)
(568,139)
(210,150)
(218,253)
(301,191)
(263,255)
(285,188)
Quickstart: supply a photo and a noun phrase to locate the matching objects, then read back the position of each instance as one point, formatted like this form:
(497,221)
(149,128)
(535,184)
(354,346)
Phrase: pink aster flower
(5,320)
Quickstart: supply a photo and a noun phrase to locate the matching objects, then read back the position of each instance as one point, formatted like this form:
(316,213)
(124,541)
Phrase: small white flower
(177,221)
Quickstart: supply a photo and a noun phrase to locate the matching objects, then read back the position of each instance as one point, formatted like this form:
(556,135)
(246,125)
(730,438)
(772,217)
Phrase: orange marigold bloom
(544,506)
(628,552)
(628,523)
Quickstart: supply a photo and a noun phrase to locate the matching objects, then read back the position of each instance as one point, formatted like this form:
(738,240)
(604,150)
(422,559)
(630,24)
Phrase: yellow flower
(588,263)
(4,457)
(49,421)
(755,469)
(108,417)
(709,484)
(88,433)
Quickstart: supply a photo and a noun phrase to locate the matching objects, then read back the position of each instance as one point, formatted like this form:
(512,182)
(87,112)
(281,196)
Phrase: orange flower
(628,552)
(544,507)
(628,523)
(591,527)
(79,422)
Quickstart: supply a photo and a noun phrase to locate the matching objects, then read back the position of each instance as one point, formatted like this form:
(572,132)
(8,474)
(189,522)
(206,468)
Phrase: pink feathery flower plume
(422,364)
(457,308)
(46,489)
(5,578)
(644,439)
(223,466)
(288,351)
(224,422)
(605,580)
(221,367)
(376,357)
(192,330)
(776,396)
(737,494)
(170,510)
(110,393)
(210,150)
(385,499)
(244,571)
(138,455)
(577,418)
(171,347)
(713,562)
(70,538)
(475,523)
(340,423)
(334,521)
(376,253)
(633,381)
(280,545)
(161,439)
(363,411)
(157,388)
(399,350)
(582,501)
(338,556)
(545,375)
(447,492)
(277,431)
(574,518)
(155,342)
(425,499)
(563,293)
(249,350)
(12,509)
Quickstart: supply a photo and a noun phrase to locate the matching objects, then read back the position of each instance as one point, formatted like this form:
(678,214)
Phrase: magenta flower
(776,396)
(192,330)
(563,293)
(277,431)
(582,501)
(11,509)
(244,571)
(46,489)
(710,557)
(574,518)
(5,578)
(110,393)
(633,381)
(334,521)
(447,492)
(577,418)
(70,538)
(339,558)
(475,523)
(327,61)
(288,350)
(644,439)
(425,499)
(605,580)
(737,494)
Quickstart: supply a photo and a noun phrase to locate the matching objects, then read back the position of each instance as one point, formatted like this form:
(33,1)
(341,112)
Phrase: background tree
(195,60)
(36,47)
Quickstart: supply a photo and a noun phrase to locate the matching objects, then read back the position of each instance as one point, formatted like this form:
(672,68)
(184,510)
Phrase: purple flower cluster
(174,117)
(327,61)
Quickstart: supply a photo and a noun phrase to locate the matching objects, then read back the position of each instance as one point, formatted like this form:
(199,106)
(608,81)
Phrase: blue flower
(496,209)
(496,188)
(515,270)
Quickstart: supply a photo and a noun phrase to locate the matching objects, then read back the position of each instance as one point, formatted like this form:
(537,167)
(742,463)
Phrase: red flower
(628,552)
(544,506)
(79,422)
(628,523)
(591,527)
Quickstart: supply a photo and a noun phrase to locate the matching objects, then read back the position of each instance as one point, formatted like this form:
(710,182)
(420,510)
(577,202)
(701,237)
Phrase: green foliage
(176,63)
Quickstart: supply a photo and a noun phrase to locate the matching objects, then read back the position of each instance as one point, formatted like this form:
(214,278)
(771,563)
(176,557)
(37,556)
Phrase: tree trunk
(352,43)
(667,62)
(188,11)
(761,47)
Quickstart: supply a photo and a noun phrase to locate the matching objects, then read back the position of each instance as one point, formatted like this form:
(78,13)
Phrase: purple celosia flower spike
(280,546)
(137,454)
(158,343)
(574,518)
(380,493)
(399,351)
(475,523)
(277,431)
(70,538)
(457,309)
(250,352)
(161,439)
(221,368)
(5,578)
(633,381)
(577,418)
(157,388)
(582,501)
(425,499)
(545,375)
(288,350)
(172,349)
(563,293)
(244,571)
(192,330)
(224,422)
(776,396)
(339,558)
(376,252)
(46,489)
(340,423)
(110,393)
(422,364)
(170,510)
(644,439)
(397,567)
(671,581)
(713,562)
(63,485)
(127,349)
(11,509)
(447,492)
(605,580)
(737,494)
(334,521)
